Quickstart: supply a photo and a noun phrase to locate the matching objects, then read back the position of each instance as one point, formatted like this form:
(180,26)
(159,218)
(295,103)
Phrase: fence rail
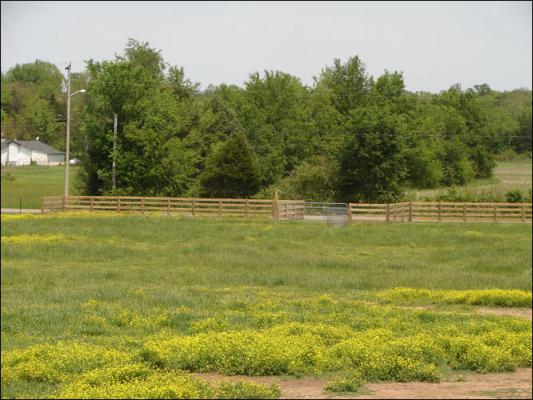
(294,209)
(281,209)
(440,211)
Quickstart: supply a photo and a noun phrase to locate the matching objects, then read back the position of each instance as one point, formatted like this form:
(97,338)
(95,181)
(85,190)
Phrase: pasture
(32,182)
(108,305)
(508,176)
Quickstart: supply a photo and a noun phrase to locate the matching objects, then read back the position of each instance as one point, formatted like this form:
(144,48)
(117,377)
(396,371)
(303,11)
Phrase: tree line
(347,137)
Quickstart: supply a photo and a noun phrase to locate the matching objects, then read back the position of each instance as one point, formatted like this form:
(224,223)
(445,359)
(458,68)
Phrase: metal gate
(332,213)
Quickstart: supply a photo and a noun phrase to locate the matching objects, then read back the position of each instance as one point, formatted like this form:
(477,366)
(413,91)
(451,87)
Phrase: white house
(24,152)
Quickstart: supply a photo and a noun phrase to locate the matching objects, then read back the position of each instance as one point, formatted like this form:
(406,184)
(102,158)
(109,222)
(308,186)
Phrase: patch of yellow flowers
(490,297)
(139,382)
(36,238)
(353,340)
(299,349)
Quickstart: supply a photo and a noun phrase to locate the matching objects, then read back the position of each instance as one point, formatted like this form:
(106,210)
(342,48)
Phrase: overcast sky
(434,44)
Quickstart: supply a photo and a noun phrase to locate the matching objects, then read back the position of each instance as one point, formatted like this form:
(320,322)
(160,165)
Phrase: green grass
(253,297)
(507,176)
(32,182)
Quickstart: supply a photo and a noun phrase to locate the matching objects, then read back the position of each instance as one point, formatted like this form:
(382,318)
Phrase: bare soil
(513,385)
(521,312)
(513,312)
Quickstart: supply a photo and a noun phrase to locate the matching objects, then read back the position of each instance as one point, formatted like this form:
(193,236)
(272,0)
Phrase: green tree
(522,140)
(372,167)
(276,120)
(313,180)
(231,170)
(348,82)
(151,120)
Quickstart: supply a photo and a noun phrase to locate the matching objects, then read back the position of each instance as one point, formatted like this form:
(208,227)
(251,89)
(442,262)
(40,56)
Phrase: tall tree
(372,167)
(348,82)
(150,126)
(231,170)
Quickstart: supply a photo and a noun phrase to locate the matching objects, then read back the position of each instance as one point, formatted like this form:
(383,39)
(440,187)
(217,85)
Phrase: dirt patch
(513,385)
(291,388)
(513,312)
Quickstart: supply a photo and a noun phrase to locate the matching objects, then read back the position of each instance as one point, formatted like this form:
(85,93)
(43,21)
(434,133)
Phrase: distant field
(32,182)
(517,173)
(507,176)
(100,305)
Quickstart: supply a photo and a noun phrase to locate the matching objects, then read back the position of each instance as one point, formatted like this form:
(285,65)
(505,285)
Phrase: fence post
(349,213)
(286,212)
(523,212)
(275,210)
(464,212)
(220,208)
(168,206)
(440,211)
(142,205)
(387,212)
(495,211)
(118,204)
(193,214)
(91,206)
(410,211)
(246,208)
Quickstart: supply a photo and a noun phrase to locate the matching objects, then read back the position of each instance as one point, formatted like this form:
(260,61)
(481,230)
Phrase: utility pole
(67,152)
(115,123)
(67,147)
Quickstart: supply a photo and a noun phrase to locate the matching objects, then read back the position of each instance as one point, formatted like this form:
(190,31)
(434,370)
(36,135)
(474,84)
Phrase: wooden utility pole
(115,123)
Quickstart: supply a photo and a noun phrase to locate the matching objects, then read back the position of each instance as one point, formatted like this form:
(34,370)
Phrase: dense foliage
(348,137)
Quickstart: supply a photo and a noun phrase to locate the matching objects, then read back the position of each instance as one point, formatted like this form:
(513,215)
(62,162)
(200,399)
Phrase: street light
(67,152)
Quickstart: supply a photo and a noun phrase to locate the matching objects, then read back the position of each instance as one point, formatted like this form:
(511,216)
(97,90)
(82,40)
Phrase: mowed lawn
(97,305)
(28,184)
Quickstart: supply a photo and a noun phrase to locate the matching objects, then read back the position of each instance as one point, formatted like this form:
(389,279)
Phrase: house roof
(33,145)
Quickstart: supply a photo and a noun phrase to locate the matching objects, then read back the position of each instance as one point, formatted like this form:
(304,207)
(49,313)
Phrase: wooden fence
(440,211)
(249,208)
(294,209)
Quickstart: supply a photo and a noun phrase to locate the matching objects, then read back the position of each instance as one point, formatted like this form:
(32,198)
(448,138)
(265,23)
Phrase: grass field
(508,176)
(32,182)
(130,306)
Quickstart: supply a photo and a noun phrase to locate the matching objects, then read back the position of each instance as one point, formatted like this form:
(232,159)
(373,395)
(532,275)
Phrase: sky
(434,44)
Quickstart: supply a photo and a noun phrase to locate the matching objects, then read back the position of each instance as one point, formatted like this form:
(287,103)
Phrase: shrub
(483,162)
(348,382)
(490,297)
(115,374)
(53,362)
(8,177)
(160,385)
(247,390)
(513,196)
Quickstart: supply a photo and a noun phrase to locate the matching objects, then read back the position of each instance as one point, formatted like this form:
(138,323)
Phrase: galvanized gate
(332,213)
